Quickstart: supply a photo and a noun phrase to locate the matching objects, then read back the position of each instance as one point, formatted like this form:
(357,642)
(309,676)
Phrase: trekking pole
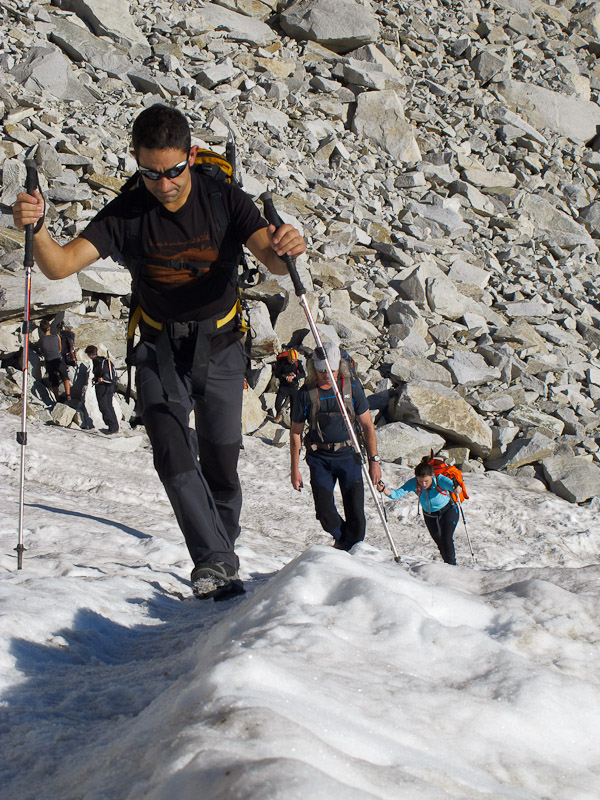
(274,219)
(31,183)
(462,513)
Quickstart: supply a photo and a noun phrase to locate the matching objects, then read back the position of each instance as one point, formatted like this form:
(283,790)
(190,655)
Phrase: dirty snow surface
(336,676)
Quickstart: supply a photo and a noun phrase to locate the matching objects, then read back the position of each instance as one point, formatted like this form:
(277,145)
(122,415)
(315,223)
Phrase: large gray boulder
(82,46)
(413,285)
(529,418)
(47,297)
(521,452)
(45,68)
(402,443)
(572,477)
(406,370)
(264,338)
(553,225)
(291,325)
(380,117)
(239,27)
(440,409)
(253,414)
(339,25)
(110,18)
(564,114)
(350,327)
(471,369)
(105,276)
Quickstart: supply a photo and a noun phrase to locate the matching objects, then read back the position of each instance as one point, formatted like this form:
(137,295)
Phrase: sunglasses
(154,175)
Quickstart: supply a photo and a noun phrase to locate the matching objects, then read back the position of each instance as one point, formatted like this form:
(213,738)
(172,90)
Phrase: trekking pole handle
(31,184)
(273,218)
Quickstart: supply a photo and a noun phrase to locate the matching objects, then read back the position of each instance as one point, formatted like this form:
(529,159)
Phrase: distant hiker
(181,233)
(329,452)
(288,371)
(105,382)
(67,338)
(439,509)
(50,346)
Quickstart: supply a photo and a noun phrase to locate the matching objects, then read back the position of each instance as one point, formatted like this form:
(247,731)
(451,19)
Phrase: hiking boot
(215,579)
(277,418)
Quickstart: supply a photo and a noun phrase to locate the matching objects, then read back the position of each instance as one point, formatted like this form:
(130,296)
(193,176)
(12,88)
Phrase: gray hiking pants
(198,468)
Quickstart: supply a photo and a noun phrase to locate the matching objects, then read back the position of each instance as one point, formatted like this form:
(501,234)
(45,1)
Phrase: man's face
(323,381)
(171,192)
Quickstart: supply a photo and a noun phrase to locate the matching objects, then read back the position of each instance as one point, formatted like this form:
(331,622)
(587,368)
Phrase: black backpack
(67,347)
(104,370)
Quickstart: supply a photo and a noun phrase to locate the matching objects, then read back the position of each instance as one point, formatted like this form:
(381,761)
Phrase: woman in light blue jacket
(439,509)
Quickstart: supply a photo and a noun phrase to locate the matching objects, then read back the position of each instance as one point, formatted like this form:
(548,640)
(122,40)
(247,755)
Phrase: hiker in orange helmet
(289,371)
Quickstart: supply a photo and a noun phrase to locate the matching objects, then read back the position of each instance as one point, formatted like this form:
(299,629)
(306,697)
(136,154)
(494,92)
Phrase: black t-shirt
(185,236)
(331,421)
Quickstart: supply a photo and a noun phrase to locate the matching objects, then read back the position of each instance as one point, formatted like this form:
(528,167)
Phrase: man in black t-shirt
(330,455)
(170,230)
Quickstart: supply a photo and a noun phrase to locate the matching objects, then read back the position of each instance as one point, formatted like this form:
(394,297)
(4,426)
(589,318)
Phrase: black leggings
(285,391)
(441,526)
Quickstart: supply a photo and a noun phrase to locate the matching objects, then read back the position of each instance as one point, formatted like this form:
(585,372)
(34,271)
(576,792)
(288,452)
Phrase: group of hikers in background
(180,229)
(56,346)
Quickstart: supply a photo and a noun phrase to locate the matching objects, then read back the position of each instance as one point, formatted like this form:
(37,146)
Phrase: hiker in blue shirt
(439,509)
(330,456)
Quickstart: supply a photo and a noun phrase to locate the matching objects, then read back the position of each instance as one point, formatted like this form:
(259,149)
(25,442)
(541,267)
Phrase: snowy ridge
(337,675)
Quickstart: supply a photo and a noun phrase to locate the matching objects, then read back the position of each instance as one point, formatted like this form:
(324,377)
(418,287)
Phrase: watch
(376,459)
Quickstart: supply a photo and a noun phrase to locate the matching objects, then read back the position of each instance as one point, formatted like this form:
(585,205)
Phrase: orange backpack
(455,475)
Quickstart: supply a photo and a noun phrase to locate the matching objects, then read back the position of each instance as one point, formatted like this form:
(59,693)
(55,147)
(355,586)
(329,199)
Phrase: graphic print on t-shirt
(200,250)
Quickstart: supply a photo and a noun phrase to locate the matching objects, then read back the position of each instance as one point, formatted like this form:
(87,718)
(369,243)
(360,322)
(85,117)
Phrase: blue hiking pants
(325,471)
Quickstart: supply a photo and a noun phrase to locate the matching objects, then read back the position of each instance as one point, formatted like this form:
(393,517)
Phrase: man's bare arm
(295,447)
(56,261)
(371,445)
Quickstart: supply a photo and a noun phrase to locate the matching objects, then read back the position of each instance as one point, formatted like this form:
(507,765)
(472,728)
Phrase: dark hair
(91,350)
(424,468)
(161,127)
(45,325)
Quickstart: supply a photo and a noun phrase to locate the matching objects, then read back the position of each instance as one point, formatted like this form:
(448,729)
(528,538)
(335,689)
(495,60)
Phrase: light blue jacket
(431,499)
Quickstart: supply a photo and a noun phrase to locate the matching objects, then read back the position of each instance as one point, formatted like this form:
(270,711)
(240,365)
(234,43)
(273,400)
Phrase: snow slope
(337,675)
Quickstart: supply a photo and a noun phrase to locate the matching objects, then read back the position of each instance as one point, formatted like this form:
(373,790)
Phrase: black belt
(202,331)
(441,511)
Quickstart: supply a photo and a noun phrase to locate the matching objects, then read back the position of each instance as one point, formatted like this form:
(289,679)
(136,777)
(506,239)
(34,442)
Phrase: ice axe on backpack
(274,219)
(31,184)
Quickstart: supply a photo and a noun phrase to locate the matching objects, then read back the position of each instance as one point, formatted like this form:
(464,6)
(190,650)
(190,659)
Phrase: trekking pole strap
(273,218)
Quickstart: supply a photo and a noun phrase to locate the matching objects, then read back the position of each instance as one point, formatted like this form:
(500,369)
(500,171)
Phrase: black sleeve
(359,399)
(107,229)
(300,407)
(245,215)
